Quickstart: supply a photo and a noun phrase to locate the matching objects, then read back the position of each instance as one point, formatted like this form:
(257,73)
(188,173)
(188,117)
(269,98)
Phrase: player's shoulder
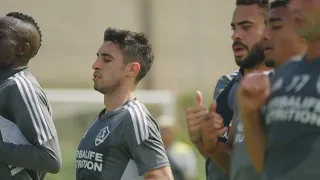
(228,77)
(26,85)
(290,65)
(24,79)
(138,118)
(136,110)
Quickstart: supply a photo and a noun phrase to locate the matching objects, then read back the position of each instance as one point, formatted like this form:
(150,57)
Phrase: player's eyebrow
(106,55)
(241,23)
(274,19)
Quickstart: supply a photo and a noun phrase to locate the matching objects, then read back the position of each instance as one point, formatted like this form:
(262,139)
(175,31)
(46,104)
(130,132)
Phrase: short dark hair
(263,4)
(279,3)
(30,20)
(135,47)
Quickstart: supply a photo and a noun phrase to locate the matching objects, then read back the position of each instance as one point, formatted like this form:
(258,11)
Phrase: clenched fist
(195,115)
(253,93)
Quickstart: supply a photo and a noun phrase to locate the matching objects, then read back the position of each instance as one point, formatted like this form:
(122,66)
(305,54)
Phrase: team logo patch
(103,134)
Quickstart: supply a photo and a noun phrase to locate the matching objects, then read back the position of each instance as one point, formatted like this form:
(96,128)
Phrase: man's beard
(255,57)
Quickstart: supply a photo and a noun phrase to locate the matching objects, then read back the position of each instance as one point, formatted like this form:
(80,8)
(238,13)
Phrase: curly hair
(28,19)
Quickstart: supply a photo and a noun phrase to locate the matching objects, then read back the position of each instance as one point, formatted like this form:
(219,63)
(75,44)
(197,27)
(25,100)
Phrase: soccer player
(28,144)
(287,133)
(248,23)
(281,44)
(124,141)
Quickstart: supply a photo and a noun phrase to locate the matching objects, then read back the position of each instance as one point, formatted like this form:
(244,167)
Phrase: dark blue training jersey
(241,167)
(292,122)
(225,91)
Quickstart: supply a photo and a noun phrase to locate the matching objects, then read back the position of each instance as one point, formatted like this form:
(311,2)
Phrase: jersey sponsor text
(90,160)
(305,110)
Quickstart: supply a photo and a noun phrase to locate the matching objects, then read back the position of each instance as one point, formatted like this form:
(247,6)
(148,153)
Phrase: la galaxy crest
(103,134)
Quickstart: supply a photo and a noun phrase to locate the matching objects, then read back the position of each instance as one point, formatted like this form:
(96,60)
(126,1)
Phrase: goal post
(165,98)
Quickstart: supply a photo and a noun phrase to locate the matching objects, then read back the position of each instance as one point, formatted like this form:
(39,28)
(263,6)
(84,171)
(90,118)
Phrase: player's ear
(133,69)
(23,49)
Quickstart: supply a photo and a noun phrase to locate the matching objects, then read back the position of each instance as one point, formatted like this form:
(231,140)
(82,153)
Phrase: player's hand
(195,115)
(253,92)
(212,127)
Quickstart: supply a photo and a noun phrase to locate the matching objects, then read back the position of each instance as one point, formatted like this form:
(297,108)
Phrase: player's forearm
(30,157)
(222,156)
(255,139)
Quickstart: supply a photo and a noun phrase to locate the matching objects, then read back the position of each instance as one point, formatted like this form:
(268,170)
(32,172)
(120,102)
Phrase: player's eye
(276,27)
(106,60)
(246,27)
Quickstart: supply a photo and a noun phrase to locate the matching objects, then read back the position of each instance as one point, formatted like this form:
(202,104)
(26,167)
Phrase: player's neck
(117,98)
(313,50)
(258,68)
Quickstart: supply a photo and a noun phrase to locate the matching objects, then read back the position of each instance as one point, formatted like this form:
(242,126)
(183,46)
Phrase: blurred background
(191,41)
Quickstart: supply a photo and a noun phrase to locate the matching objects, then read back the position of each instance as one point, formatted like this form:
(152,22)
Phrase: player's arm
(222,156)
(255,138)
(28,109)
(146,147)
(251,100)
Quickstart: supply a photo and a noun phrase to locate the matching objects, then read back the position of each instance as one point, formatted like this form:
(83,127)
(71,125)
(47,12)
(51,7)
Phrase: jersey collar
(240,74)
(5,74)
(104,113)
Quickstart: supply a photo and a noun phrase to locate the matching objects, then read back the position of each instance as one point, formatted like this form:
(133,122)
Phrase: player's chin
(240,60)
(97,87)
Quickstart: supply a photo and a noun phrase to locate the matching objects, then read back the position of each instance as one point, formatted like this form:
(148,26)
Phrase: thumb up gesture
(195,115)
(211,128)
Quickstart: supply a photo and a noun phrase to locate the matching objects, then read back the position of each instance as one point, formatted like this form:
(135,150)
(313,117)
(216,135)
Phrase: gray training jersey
(28,139)
(121,145)
(241,166)
(292,122)
(213,172)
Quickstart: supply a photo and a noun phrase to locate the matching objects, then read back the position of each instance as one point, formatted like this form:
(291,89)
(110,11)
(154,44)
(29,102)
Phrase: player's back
(292,122)
(121,145)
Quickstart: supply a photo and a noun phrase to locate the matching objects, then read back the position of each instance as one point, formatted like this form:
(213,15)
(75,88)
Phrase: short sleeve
(30,111)
(144,141)
(222,83)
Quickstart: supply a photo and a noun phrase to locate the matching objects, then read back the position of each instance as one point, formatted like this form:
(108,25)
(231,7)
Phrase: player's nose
(97,64)
(266,34)
(236,36)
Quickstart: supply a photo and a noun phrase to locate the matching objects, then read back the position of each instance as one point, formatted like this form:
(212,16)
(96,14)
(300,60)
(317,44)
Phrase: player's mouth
(239,51)
(267,49)
(96,76)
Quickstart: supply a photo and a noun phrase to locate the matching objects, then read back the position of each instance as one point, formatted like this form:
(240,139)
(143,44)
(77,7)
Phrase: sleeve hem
(153,167)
